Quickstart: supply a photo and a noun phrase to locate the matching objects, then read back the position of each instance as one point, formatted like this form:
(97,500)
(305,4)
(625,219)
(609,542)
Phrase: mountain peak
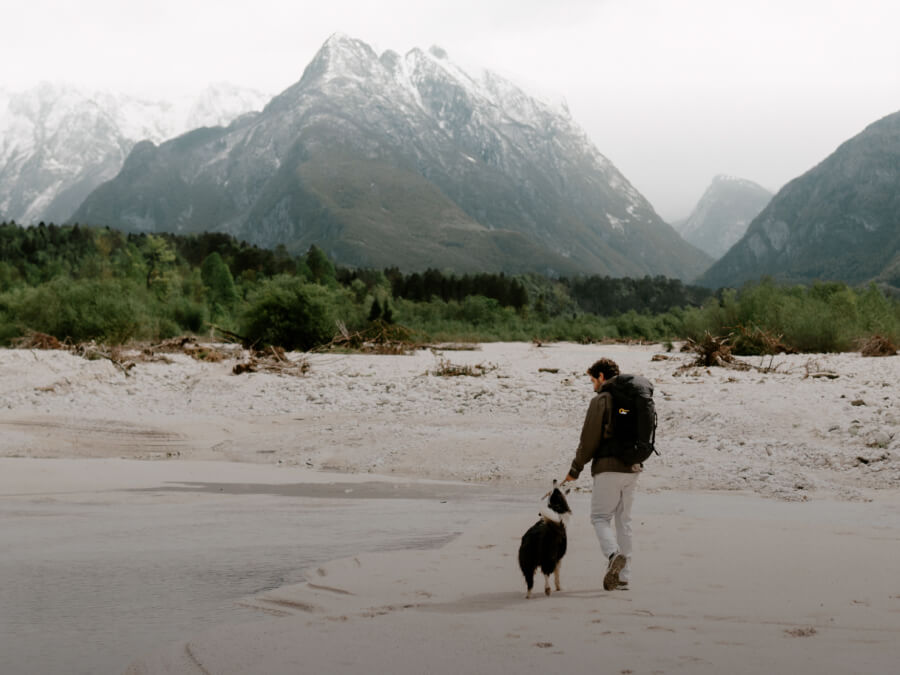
(339,39)
(341,56)
(341,43)
(723,213)
(724,180)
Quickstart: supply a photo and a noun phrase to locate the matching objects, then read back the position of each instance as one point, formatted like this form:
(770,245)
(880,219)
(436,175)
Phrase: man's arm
(591,436)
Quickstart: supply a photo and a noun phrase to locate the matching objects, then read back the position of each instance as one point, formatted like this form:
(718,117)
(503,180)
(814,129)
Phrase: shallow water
(89,587)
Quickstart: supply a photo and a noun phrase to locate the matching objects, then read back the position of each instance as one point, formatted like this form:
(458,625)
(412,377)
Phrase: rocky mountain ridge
(59,142)
(401,159)
(838,221)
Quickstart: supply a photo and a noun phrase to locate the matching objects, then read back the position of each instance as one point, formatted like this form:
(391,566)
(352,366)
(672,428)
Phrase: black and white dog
(544,544)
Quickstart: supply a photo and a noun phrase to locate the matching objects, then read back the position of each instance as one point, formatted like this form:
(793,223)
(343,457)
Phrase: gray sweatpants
(612,498)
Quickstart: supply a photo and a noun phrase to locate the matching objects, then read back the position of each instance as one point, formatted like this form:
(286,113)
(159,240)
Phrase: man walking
(614,481)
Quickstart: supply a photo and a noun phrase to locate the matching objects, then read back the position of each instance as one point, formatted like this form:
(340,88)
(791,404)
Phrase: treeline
(40,253)
(654,295)
(82,283)
(423,287)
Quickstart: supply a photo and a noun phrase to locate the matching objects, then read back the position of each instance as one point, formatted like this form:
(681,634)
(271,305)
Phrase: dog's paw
(547,591)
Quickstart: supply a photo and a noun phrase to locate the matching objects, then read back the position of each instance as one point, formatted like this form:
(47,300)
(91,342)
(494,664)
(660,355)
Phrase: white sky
(673,92)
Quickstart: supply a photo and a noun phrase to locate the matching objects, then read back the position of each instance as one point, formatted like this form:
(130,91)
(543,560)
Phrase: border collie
(544,544)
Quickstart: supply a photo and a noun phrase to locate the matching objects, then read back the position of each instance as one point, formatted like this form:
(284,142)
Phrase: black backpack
(633,419)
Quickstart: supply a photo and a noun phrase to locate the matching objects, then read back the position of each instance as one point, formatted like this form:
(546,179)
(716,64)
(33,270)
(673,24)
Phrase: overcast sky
(673,92)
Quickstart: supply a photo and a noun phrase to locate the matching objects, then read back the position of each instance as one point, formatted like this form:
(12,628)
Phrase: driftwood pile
(187,345)
(711,351)
(36,340)
(271,360)
(753,340)
(378,338)
(88,350)
(877,345)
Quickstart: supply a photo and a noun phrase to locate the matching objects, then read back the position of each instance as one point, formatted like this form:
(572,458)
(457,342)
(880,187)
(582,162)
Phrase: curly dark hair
(608,367)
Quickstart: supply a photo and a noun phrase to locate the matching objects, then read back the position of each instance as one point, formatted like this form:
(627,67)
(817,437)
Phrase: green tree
(375,311)
(218,281)
(158,256)
(320,267)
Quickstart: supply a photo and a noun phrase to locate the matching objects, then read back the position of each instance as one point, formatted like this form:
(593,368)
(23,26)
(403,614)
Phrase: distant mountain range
(408,160)
(838,221)
(58,142)
(723,213)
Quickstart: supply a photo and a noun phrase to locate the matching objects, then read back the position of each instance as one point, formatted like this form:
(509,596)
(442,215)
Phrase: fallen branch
(92,352)
(228,335)
(814,369)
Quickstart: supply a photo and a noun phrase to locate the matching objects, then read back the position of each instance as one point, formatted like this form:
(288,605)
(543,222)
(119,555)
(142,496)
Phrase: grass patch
(445,368)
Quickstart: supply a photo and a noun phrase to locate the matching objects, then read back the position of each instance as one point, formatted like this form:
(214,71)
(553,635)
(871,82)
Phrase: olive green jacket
(597,428)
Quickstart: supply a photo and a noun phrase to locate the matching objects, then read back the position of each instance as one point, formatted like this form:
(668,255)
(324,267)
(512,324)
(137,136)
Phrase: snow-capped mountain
(403,160)
(58,142)
(723,213)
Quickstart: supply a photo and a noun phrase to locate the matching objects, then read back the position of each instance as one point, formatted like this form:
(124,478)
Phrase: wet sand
(722,583)
(104,560)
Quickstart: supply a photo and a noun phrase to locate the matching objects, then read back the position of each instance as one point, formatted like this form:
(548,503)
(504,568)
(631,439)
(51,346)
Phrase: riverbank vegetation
(77,284)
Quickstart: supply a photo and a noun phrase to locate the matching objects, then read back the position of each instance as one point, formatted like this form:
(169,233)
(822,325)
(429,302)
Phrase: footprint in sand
(801,631)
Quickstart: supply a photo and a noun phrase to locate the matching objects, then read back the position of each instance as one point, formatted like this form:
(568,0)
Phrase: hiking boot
(611,580)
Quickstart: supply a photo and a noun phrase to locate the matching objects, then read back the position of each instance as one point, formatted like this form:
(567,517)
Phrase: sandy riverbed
(766,541)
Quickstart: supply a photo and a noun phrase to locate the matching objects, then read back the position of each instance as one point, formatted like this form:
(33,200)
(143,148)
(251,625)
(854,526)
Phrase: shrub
(103,310)
(189,315)
(286,312)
